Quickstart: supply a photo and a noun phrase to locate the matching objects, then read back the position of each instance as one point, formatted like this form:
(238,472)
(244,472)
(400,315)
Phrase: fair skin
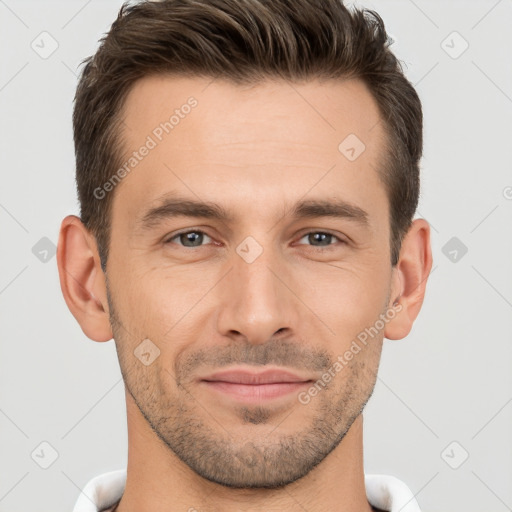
(255,151)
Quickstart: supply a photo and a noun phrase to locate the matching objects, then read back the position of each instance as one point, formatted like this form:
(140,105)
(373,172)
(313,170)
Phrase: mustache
(277,352)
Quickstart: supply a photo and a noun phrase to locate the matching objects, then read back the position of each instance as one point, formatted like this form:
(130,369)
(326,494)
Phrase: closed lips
(255,379)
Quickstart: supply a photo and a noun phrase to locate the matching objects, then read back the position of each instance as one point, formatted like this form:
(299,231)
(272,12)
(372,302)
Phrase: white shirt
(382,491)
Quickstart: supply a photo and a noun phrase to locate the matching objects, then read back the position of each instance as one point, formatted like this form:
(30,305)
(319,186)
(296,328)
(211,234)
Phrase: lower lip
(256,392)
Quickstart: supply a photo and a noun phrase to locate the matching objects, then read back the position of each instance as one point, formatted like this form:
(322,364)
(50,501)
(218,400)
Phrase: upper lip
(245,376)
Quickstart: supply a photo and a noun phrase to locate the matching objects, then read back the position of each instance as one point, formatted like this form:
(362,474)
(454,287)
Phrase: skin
(256,151)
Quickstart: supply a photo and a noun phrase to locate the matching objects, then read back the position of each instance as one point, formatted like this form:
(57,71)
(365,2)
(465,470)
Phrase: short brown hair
(245,41)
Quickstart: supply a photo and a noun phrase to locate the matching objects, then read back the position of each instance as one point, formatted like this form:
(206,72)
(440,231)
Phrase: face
(227,316)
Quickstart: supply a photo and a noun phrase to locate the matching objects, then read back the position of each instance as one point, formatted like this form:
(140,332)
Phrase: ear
(82,280)
(410,279)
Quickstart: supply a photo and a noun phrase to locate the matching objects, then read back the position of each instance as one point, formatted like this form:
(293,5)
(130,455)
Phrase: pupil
(323,236)
(191,237)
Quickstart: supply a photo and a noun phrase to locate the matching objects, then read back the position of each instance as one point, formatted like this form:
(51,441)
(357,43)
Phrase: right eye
(192,238)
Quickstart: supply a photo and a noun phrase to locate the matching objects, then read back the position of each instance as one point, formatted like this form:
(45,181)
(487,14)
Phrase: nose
(257,302)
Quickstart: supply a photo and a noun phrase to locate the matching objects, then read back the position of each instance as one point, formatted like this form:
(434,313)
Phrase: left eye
(322,237)
(196,238)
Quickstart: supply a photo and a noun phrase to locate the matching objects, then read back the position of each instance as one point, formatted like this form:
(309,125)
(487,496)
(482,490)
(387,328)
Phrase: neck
(158,481)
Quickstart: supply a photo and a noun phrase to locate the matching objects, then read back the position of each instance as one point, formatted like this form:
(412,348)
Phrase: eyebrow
(172,206)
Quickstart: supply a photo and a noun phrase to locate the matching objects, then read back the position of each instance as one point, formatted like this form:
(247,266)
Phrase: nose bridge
(257,303)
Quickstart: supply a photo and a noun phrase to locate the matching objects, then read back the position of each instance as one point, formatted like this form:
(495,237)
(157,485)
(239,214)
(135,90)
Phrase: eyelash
(318,248)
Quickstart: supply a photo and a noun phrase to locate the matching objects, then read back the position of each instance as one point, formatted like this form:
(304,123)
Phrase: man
(248,174)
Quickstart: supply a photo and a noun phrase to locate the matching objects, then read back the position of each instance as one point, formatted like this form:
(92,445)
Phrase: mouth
(256,386)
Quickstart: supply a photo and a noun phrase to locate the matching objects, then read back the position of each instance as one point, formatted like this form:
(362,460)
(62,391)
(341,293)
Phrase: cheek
(347,299)
(163,306)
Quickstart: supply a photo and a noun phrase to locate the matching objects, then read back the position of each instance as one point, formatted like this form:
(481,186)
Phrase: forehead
(308,110)
(210,137)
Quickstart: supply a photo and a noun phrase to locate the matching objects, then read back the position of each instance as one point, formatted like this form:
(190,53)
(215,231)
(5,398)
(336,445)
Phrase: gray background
(443,394)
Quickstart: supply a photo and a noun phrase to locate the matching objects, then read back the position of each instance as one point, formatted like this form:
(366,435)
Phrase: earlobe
(81,279)
(410,279)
